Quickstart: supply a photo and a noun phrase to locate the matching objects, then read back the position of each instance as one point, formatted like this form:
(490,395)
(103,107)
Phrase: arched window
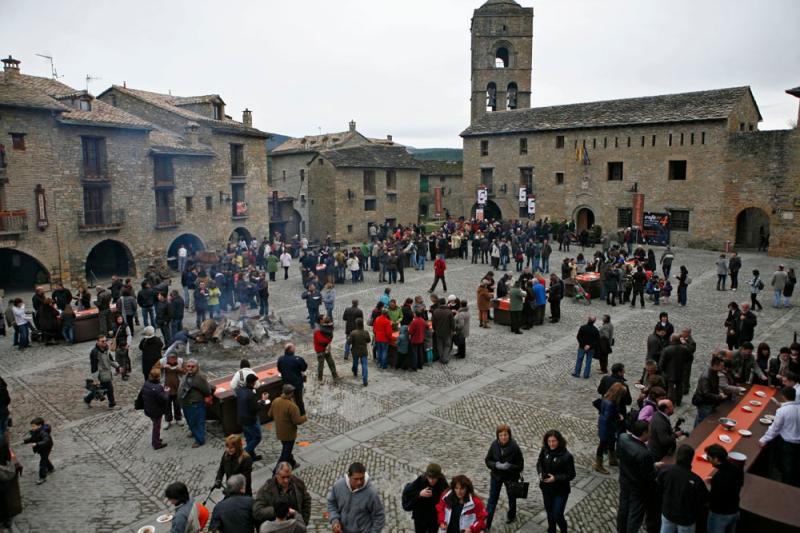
(511,96)
(501,58)
(491,97)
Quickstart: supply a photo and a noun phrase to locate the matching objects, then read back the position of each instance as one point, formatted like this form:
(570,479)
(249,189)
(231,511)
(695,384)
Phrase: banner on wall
(531,206)
(655,228)
(437,200)
(637,214)
(483,196)
(523,195)
(479,214)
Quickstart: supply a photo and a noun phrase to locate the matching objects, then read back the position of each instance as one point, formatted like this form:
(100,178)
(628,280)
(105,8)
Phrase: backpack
(631,417)
(760,285)
(138,403)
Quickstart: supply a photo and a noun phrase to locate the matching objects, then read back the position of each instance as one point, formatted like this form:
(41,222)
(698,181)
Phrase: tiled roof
(36,92)
(166,142)
(441,168)
(169,103)
(313,143)
(683,107)
(371,156)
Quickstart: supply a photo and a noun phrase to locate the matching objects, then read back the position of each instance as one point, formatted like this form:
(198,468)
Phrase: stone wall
(290,165)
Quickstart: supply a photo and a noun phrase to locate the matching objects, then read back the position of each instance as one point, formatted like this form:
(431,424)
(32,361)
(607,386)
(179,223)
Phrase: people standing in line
(756,286)
(779,280)
(588,337)
(354,505)
(292,368)
(358,341)
(164,317)
(68,324)
(21,325)
(193,392)
(351,314)
(556,468)
(235,461)
(637,473)
(516,299)
(746,324)
(725,484)
(505,463)
(638,283)
(286,417)
(683,493)
(155,403)
(313,301)
(282,488)
(663,437)
(102,363)
(673,360)
(329,299)
(610,419)
(421,496)
(707,395)
(248,409)
(41,438)
(605,343)
(555,295)
(461,331)
(175,313)
(460,509)
(235,512)
(787,426)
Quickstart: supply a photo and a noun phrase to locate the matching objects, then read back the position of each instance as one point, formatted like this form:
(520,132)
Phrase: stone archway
(491,211)
(240,233)
(584,219)
(751,224)
(109,258)
(193,245)
(19,270)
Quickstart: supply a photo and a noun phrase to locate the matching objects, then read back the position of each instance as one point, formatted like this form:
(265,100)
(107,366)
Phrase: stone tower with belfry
(502,50)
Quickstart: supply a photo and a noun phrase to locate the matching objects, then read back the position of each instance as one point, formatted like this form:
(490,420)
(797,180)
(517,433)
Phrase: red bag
(202,514)
(208,400)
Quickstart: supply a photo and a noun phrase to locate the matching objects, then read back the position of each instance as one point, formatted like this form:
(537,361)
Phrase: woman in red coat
(460,509)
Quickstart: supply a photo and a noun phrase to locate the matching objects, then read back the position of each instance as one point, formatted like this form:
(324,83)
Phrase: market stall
(87,325)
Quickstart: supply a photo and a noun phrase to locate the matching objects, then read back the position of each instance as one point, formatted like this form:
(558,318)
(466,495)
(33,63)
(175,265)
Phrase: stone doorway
(751,225)
(491,211)
(19,271)
(109,258)
(584,219)
(193,245)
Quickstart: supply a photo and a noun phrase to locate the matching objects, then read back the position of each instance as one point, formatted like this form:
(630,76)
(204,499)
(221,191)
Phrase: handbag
(517,489)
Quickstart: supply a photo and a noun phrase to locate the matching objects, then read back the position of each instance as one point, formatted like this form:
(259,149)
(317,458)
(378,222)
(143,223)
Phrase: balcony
(101,220)
(13,222)
(166,217)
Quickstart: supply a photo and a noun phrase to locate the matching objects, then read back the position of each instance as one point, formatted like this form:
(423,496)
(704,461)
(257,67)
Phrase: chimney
(389,138)
(247,118)
(190,132)
(11,67)
(352,126)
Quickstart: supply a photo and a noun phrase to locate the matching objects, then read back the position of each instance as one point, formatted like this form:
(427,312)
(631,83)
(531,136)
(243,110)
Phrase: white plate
(220,389)
(737,456)
(146,529)
(745,433)
(766,421)
(703,456)
(761,394)
(769,417)
(742,389)
(726,439)
(747,408)
(165,518)
(755,402)
(639,386)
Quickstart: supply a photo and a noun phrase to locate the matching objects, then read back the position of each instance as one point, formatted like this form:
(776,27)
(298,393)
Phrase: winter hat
(149,331)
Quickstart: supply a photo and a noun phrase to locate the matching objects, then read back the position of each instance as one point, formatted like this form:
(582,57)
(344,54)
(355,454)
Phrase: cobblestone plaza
(109,479)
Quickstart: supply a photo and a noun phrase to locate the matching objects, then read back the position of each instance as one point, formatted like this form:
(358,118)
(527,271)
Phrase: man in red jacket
(416,337)
(382,328)
(439,266)
(323,336)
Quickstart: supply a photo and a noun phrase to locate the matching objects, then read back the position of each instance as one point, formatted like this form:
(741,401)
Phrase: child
(656,289)
(666,291)
(42,444)
(428,345)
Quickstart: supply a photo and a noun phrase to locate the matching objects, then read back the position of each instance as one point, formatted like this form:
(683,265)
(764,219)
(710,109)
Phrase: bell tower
(502,50)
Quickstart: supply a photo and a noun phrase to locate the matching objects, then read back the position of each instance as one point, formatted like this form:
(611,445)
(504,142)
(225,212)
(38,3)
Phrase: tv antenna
(89,79)
(53,71)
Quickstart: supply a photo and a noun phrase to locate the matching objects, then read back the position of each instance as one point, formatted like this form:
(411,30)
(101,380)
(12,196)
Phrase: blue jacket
(607,420)
(540,294)
(291,368)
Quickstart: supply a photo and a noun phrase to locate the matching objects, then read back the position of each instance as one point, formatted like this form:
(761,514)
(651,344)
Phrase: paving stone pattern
(109,479)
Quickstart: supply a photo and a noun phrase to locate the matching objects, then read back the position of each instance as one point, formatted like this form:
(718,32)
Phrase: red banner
(637,219)
(437,198)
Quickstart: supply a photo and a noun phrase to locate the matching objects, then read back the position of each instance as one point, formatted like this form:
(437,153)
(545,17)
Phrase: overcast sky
(402,67)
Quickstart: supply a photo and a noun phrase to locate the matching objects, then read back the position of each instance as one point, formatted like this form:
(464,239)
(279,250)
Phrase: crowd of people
(635,432)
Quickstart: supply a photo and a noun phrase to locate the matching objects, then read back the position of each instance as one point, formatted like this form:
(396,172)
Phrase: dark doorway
(751,224)
(491,211)
(19,270)
(193,245)
(239,234)
(109,258)
(584,219)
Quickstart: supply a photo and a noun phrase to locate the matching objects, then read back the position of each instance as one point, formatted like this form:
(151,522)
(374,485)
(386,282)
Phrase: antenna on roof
(89,79)
(53,71)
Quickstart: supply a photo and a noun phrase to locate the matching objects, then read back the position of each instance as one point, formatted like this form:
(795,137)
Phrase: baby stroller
(581,296)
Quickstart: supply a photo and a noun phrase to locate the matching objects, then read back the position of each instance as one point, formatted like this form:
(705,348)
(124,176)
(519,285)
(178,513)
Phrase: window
(369,183)
(484,148)
(594,144)
(624,217)
(702,137)
(163,173)
(526,178)
(501,58)
(677,170)
(97,205)
(678,220)
(616,142)
(741,126)
(670,139)
(750,127)
(629,142)
(424,184)
(391,198)
(681,141)
(491,97)
(3,162)
(18,141)
(237,160)
(442,179)
(238,200)
(321,161)
(94,158)
(302,199)
(511,96)
(691,138)
(559,178)
(370,205)
(209,203)
(605,142)
(523,146)
(302,175)
(423,210)
(165,207)
(391,180)
(84,105)
(487,179)
(642,140)
(284,175)
(560,142)
(189,203)
(349,228)
(653,143)
(614,171)
(219,112)
(113,99)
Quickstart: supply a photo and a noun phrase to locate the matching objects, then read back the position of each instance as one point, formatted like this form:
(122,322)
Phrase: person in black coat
(747,324)
(683,493)
(504,460)
(556,469)
(292,368)
(554,295)
(176,307)
(151,347)
(588,338)
(43,445)
(421,496)
(636,476)
(248,407)
(671,364)
(155,401)
(234,513)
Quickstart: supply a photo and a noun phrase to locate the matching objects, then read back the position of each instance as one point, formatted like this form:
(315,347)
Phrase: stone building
(351,188)
(697,157)
(445,175)
(106,185)
(290,174)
